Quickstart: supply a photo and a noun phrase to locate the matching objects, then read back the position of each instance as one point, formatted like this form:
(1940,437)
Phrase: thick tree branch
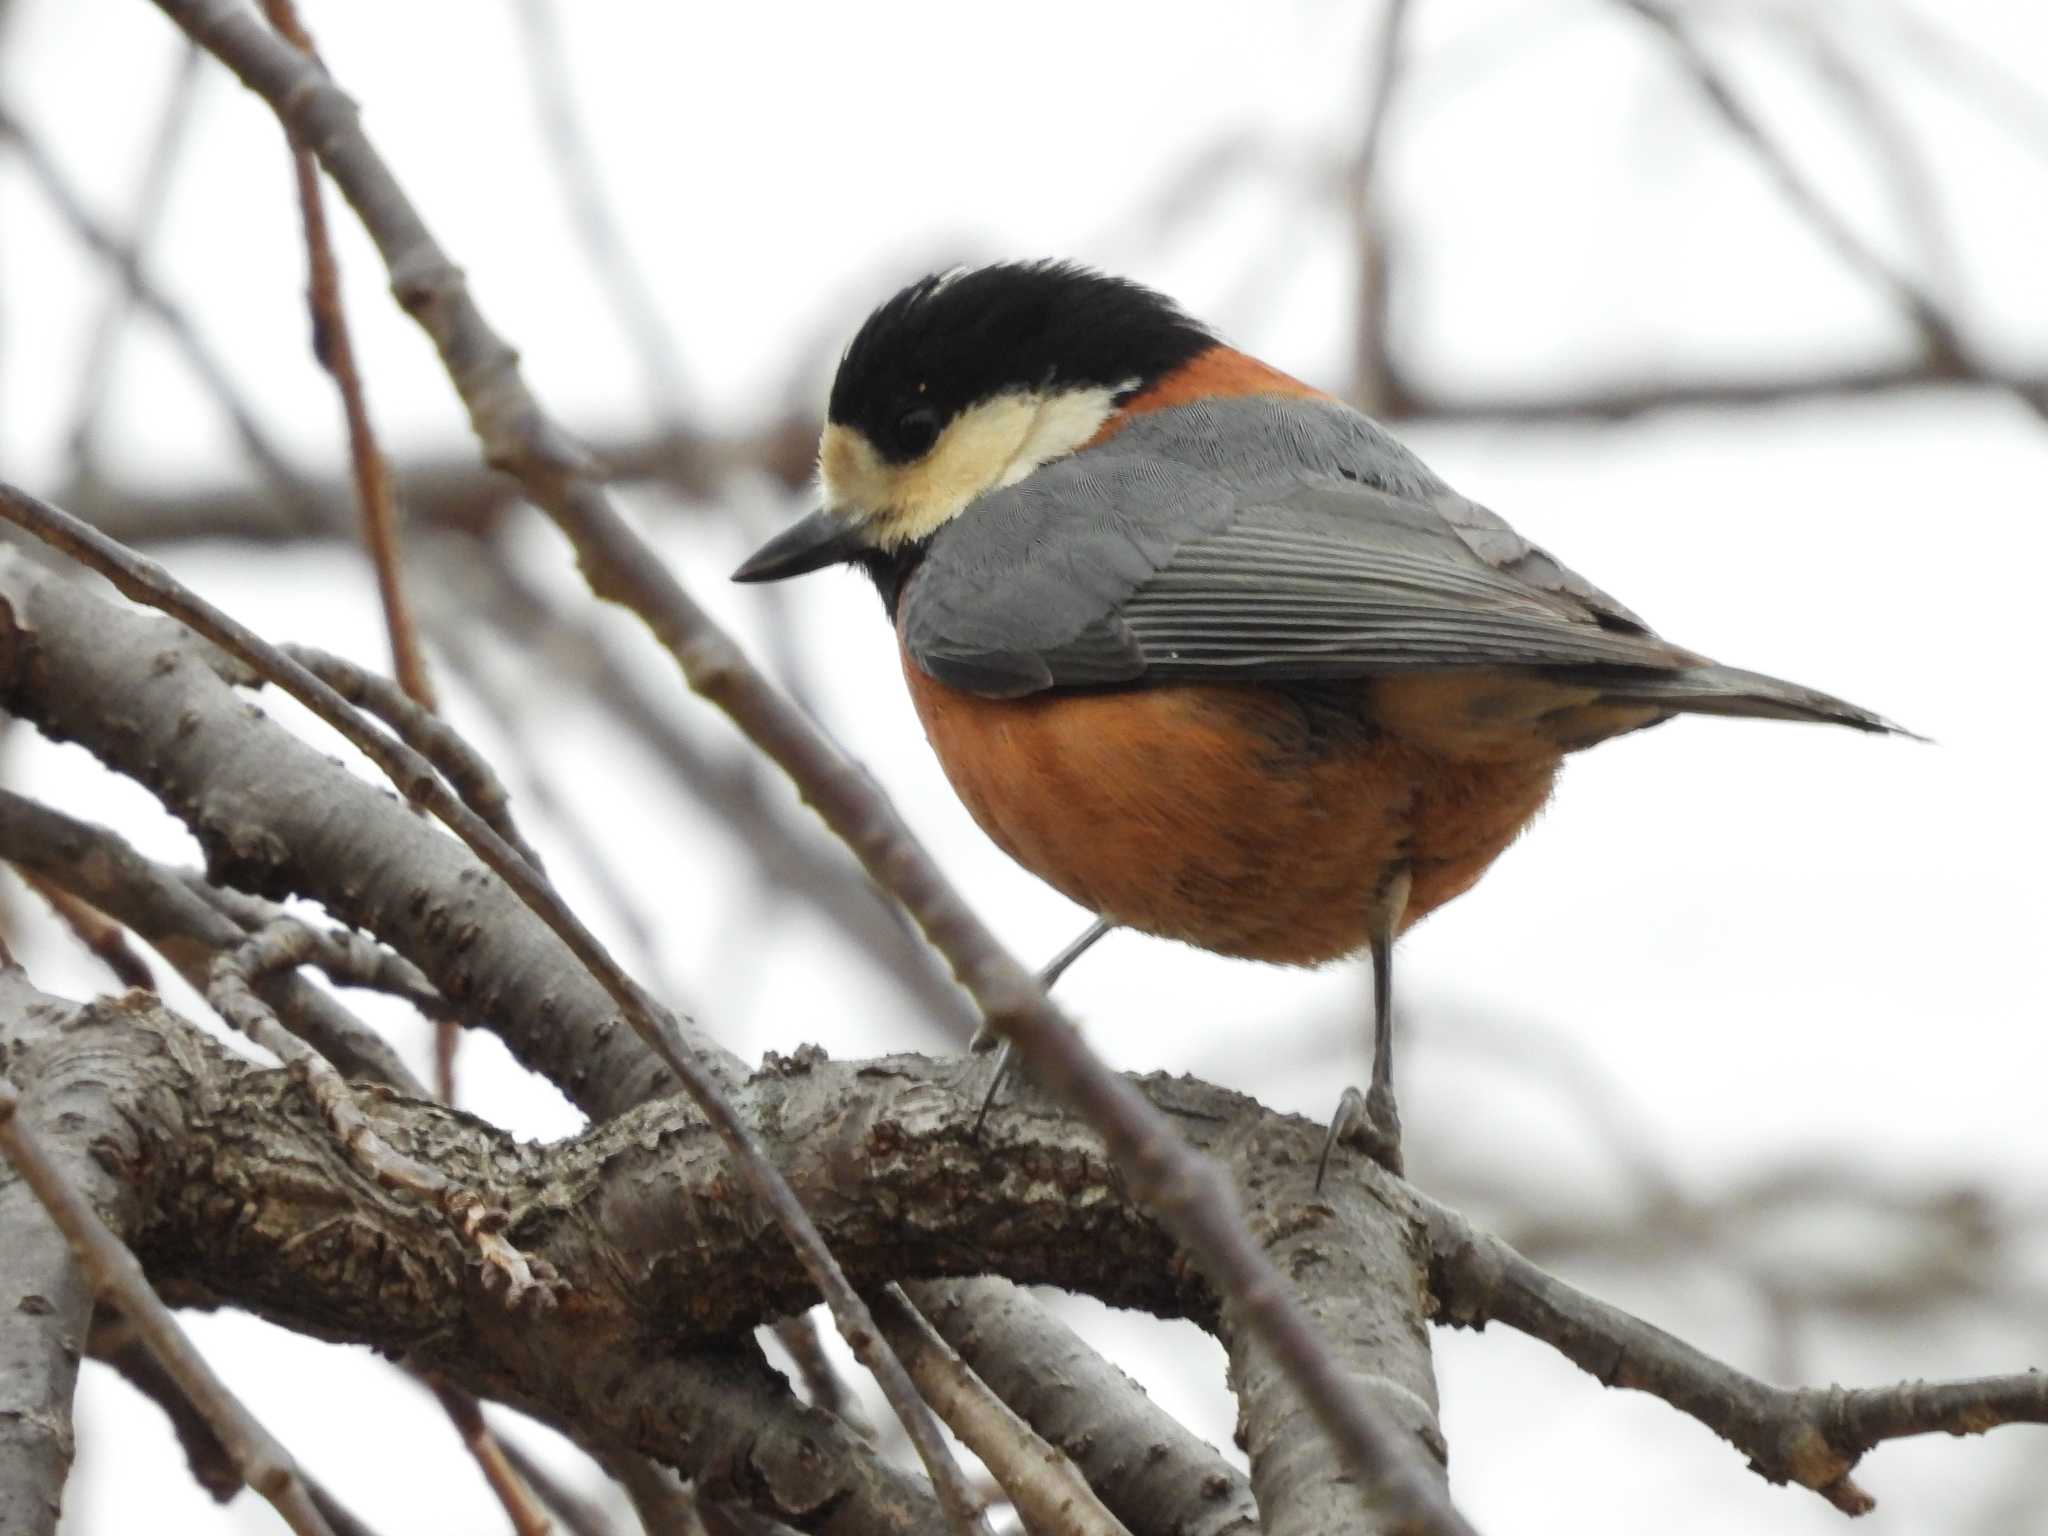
(69,1180)
(275,815)
(698,1067)
(46,1302)
(243,1195)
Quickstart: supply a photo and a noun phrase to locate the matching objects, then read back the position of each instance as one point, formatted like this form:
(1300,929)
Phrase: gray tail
(1715,690)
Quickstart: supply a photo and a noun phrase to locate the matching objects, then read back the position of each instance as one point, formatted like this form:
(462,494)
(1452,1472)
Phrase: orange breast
(1248,820)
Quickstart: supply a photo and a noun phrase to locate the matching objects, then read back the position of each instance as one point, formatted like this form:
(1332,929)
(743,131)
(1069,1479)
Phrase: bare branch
(158,904)
(104,664)
(276,815)
(1624,401)
(336,352)
(580,1515)
(371,472)
(422,729)
(102,937)
(449,492)
(527,1515)
(1810,1436)
(1154,1475)
(1048,1493)
(887,1149)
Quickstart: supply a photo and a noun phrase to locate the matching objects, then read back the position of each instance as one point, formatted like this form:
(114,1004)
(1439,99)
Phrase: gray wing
(1247,539)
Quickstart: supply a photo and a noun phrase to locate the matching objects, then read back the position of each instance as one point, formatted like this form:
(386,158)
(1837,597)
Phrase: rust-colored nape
(1219,373)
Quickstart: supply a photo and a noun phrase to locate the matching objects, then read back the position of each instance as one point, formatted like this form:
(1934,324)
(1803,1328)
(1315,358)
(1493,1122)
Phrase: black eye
(914,431)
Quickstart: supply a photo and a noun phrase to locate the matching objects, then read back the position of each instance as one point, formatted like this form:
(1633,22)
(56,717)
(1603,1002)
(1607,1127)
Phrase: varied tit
(1204,648)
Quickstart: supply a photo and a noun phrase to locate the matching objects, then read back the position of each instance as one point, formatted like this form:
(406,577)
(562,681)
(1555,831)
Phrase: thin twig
(665,1506)
(634,305)
(117,1278)
(528,1517)
(175,914)
(579,1514)
(232,991)
(735,788)
(1153,1473)
(1191,1196)
(285,482)
(1894,147)
(428,734)
(1810,1436)
(347,959)
(146,582)
(565,814)
(371,472)
(336,352)
(120,1348)
(105,938)
(1047,1491)
(1629,399)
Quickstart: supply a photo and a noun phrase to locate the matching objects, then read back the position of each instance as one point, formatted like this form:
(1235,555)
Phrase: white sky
(1781,942)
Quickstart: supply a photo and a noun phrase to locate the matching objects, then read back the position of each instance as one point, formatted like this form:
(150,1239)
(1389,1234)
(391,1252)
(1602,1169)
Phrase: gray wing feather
(1246,539)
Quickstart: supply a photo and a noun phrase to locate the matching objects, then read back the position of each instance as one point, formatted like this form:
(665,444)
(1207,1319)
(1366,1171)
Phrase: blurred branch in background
(284,485)
(1943,346)
(152,195)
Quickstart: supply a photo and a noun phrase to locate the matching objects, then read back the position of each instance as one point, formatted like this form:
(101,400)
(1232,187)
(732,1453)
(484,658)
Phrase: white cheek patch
(1063,423)
(996,443)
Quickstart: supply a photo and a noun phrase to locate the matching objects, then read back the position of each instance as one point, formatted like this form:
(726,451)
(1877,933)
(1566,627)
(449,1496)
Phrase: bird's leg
(986,1039)
(1373,1116)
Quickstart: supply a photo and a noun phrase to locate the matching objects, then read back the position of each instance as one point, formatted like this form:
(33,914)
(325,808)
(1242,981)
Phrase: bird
(1203,647)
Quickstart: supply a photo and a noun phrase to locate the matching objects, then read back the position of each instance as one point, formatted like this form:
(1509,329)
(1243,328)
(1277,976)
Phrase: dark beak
(818,541)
